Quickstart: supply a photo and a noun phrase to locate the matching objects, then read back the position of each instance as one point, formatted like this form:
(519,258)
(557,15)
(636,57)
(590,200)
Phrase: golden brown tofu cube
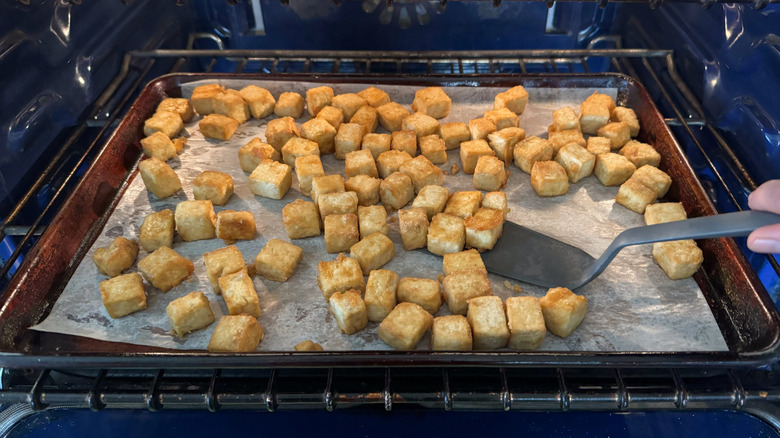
(565,118)
(373,252)
(559,139)
(593,116)
(271,180)
(366,117)
(195,220)
(157,230)
(220,262)
(348,103)
(337,203)
(277,260)
(308,345)
(360,163)
(421,124)
(489,175)
(322,133)
(332,115)
(432,199)
(289,105)
(480,128)
(159,178)
(577,161)
(396,190)
(515,99)
(618,133)
(380,294)
(376,144)
(119,256)
(446,234)
(231,104)
(392,115)
(421,291)
(470,151)
(468,260)
(665,212)
(404,141)
(627,116)
(341,232)
(405,326)
(298,147)
(339,275)
(641,154)
(167,122)
(679,259)
(261,102)
(526,323)
(496,201)
(451,333)
(613,169)
(182,107)
(279,131)
(413,224)
(366,188)
(236,334)
(432,101)
(189,313)
(123,295)
(159,146)
(164,268)
(374,96)
(422,172)
(213,186)
(235,225)
(454,134)
(461,286)
(349,311)
(306,169)
(391,161)
(599,145)
(326,184)
(529,151)
(239,294)
(502,118)
(301,219)
(372,220)
(464,204)
(503,142)
(348,139)
(635,196)
(218,126)
(549,178)
(432,147)
(318,98)
(254,153)
(563,310)
(488,323)
(484,228)
(601,99)
(653,177)
(203,97)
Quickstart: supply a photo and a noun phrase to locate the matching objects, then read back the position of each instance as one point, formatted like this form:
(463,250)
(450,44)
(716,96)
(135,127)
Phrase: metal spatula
(531,257)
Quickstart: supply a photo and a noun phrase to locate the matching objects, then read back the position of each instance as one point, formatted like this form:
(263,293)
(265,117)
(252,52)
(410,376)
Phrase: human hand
(766,197)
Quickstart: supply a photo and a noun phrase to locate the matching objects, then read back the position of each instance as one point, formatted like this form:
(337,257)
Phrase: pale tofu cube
(421,124)
(157,230)
(432,147)
(374,96)
(480,128)
(392,116)
(391,161)
(461,286)
(405,326)
(277,260)
(489,175)
(515,99)
(488,323)
(339,275)
(196,220)
(348,103)
(526,323)
(159,178)
(470,151)
(484,228)
(627,116)
(279,131)
(618,133)
(396,190)
(322,133)
(664,212)
(613,169)
(167,122)
(565,118)
(236,334)
(366,117)
(119,255)
(376,144)
(421,291)
(404,141)
(254,153)
(454,134)
(326,184)
(306,169)
(159,146)
(641,154)
(593,116)
(366,188)
(289,105)
(332,115)
(655,178)
(298,147)
(373,252)
(213,186)
(530,150)
(469,260)
(451,333)
(231,104)
(189,313)
(503,142)
(422,172)
(496,201)
(349,311)
(563,310)
(432,199)
(235,225)
(203,97)
(464,204)
(413,224)
(164,268)
(221,262)
(360,163)
(577,161)
(380,294)
(549,178)
(372,220)
(348,139)
(337,203)
(301,219)
(599,145)
(308,345)
(318,98)
(182,107)
(559,139)
(261,102)
(502,118)
(679,259)
(341,232)
(432,101)
(123,295)
(271,180)
(635,196)
(218,126)
(446,234)
(239,294)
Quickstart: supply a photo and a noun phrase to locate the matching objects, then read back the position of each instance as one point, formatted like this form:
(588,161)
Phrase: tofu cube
(218,126)
(391,161)
(413,224)
(157,230)
(164,268)
(641,154)
(559,139)
(372,220)
(577,161)
(366,188)
(332,115)
(526,323)
(601,99)
(279,131)
(366,117)
(318,98)
(489,175)
(432,101)
(119,255)
(432,199)
(380,294)
(167,122)
(189,313)
(396,190)
(422,172)
(549,178)
(195,220)
(655,178)
(182,107)
(203,97)
(349,311)
(374,96)
(159,146)
(341,232)
(289,105)
(337,203)
(159,178)
(421,291)
(488,323)
(322,133)
(480,128)
(635,196)
(613,169)
(565,118)
(231,104)
(277,260)
(454,134)
(308,345)
(618,134)
(221,262)
(261,102)
(421,124)
(213,186)
(254,153)
(235,225)
(239,294)
(451,333)
(306,169)
(484,228)
(123,295)
(376,144)
(563,310)
(679,259)
(373,252)
(298,147)
(496,201)
(404,141)
(348,103)
(461,286)
(301,219)
(530,150)
(627,116)
(432,147)
(665,212)
(469,260)
(464,204)
(515,99)
(446,234)
(405,326)
(593,116)
(339,275)
(503,142)
(599,145)
(470,151)
(326,184)
(348,139)
(236,334)
(502,118)
(392,115)
(360,163)
(271,180)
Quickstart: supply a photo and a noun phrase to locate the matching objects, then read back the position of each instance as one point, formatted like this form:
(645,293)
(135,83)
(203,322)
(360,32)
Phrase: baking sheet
(633,306)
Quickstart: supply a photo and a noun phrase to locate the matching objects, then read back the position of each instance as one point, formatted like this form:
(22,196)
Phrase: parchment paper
(633,306)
